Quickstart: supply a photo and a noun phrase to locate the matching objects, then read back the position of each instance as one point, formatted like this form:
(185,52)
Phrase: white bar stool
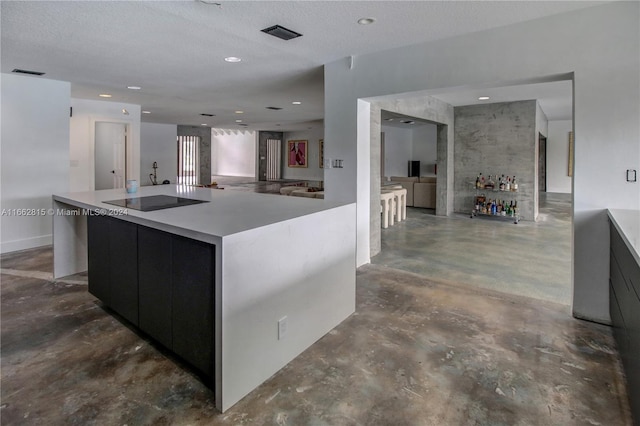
(401,203)
(387,203)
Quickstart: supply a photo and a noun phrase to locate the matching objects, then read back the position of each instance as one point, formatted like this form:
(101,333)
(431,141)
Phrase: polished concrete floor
(418,351)
(529,259)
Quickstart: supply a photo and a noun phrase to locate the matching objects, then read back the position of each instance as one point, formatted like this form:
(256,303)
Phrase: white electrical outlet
(282,328)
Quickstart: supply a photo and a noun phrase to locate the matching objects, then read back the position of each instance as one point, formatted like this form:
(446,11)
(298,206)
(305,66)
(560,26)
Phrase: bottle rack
(495,202)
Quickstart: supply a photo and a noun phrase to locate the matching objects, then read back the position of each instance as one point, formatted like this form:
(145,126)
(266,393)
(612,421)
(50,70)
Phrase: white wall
(234,154)
(34,156)
(413,143)
(398,150)
(158,142)
(558,179)
(313,171)
(85,114)
(607,107)
(425,148)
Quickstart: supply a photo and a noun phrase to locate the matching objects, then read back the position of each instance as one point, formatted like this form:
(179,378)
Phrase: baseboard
(27,243)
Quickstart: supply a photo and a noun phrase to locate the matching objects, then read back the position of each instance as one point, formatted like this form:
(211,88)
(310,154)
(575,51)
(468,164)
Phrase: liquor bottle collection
(496,207)
(499,184)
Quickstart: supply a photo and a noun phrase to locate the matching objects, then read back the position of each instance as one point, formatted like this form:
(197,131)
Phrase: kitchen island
(237,285)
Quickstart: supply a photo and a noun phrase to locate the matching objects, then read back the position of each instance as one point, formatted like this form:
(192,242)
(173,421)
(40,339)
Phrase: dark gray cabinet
(192,302)
(161,282)
(154,284)
(113,264)
(624,308)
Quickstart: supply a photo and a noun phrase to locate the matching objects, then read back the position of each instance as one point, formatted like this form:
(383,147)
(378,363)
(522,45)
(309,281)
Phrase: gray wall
(158,142)
(205,149)
(492,139)
(35,156)
(606,111)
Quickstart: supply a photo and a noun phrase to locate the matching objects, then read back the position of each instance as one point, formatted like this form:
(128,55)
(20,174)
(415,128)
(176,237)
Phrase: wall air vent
(281,32)
(274,108)
(19,71)
(207,115)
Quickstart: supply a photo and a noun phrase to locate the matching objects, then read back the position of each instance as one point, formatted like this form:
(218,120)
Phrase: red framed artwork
(297,156)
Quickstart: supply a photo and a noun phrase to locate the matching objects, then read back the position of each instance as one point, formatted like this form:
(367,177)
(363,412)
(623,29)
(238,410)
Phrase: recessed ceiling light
(296,102)
(146,112)
(366,21)
(134,87)
(204,124)
(484,98)
(239,112)
(389,119)
(232,59)
(104,95)
(238,121)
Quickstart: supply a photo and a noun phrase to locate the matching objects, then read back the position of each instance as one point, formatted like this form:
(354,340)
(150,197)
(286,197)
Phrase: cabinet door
(192,297)
(154,284)
(98,253)
(123,268)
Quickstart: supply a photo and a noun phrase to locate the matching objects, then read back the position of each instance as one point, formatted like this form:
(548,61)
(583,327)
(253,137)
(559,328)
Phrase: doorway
(269,155)
(542,163)
(110,155)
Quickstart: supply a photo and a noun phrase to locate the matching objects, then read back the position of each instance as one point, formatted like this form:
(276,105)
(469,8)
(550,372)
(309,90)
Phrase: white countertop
(227,212)
(628,223)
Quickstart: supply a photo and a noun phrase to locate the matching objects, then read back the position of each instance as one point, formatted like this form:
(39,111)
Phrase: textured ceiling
(175,50)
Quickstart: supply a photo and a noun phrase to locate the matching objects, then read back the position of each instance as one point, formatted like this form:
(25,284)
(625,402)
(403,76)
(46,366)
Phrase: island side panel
(69,240)
(302,269)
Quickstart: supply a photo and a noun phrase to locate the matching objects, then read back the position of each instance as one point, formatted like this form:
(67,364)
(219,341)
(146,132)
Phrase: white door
(110,155)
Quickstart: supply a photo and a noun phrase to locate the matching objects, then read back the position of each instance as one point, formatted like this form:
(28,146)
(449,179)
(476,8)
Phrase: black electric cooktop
(154,202)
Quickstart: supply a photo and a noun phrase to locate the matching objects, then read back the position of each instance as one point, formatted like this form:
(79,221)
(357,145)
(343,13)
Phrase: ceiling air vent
(19,71)
(281,32)
(274,108)
(207,115)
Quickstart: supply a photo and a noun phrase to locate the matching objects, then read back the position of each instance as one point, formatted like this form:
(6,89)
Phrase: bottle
(491,184)
(481,181)
(478,181)
(507,185)
(502,183)
(514,185)
(515,208)
(494,207)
